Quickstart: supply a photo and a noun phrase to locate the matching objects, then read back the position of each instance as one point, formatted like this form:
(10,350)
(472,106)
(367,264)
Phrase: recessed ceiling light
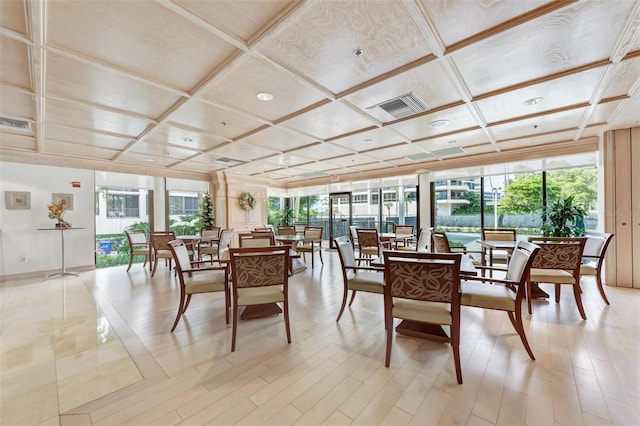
(357,52)
(367,141)
(186,139)
(149,160)
(533,101)
(452,142)
(264,96)
(439,123)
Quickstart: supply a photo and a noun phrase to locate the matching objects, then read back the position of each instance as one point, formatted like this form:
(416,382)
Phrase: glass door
(339,215)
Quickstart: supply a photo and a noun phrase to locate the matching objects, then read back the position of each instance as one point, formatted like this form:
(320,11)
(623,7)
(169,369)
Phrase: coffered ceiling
(169,87)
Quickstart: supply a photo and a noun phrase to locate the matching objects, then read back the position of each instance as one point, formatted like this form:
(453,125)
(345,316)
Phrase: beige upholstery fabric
(588,269)
(556,276)
(260,295)
(482,295)
(205,282)
(422,311)
(372,282)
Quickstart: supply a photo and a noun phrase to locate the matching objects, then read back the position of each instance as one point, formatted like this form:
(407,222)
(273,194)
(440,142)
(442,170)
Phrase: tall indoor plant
(562,218)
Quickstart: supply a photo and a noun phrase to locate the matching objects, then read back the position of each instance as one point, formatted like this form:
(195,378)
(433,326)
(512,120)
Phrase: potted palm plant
(562,218)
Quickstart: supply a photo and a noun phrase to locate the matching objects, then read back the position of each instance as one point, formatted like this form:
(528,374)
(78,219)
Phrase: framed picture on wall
(67,200)
(18,200)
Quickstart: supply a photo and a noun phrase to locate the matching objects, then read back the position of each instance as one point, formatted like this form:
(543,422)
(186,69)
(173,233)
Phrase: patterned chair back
(498,234)
(558,253)
(259,266)
(286,230)
(255,240)
(403,230)
(422,276)
(440,242)
(160,239)
(368,237)
(313,232)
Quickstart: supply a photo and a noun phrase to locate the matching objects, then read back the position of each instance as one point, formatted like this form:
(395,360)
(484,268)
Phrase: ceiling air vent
(228,161)
(421,156)
(448,152)
(12,124)
(403,106)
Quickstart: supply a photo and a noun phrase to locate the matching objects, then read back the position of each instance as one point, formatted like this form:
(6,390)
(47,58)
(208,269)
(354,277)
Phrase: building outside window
(123,205)
(181,205)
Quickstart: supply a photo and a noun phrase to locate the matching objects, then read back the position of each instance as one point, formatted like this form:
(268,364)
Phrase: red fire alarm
(75,184)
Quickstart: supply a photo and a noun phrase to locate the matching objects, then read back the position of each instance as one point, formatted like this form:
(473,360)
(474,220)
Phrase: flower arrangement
(247,202)
(56,211)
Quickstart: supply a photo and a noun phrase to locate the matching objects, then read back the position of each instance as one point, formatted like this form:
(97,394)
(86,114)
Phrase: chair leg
(344,303)
(286,320)
(576,294)
(186,305)
(601,288)
(519,326)
(320,252)
(226,305)
(529,295)
(353,297)
(389,327)
(234,327)
(145,260)
(557,293)
(155,266)
(455,345)
(180,311)
(131,261)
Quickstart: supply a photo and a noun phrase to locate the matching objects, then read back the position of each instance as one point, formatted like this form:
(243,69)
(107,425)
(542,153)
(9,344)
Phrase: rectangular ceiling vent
(421,156)
(449,152)
(13,124)
(228,161)
(313,174)
(404,106)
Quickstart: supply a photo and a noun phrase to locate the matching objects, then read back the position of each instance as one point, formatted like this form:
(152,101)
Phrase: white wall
(20,237)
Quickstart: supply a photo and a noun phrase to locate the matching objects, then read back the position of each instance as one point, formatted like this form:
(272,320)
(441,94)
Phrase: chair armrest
(508,283)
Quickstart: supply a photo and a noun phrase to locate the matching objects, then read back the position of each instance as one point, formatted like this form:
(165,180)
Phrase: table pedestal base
(537,292)
(260,311)
(421,330)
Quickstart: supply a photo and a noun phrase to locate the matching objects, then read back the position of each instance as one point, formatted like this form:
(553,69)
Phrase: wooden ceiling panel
(218,121)
(463,140)
(189,139)
(328,121)
(107,88)
(14,66)
(13,140)
(459,118)
(399,151)
(278,139)
(539,125)
(75,150)
(77,115)
(429,83)
(146,159)
(384,32)
(85,137)
(16,103)
(192,166)
(248,77)
(12,16)
(457,20)
(242,19)
(623,76)
(372,139)
(351,160)
(323,150)
(536,140)
(162,150)
(286,160)
(564,39)
(570,90)
(175,50)
(240,151)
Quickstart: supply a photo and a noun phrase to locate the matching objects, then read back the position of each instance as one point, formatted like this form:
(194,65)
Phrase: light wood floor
(97,350)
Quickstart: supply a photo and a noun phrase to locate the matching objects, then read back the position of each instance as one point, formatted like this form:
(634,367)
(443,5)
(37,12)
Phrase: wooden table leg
(421,330)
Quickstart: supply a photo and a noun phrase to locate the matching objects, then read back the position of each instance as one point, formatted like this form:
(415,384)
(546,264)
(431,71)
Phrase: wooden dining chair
(370,244)
(160,247)
(356,278)
(440,244)
(226,235)
(138,246)
(593,257)
(423,288)
(419,245)
(402,234)
(195,279)
(262,239)
(557,262)
(491,257)
(286,230)
(504,294)
(208,244)
(312,243)
(260,275)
